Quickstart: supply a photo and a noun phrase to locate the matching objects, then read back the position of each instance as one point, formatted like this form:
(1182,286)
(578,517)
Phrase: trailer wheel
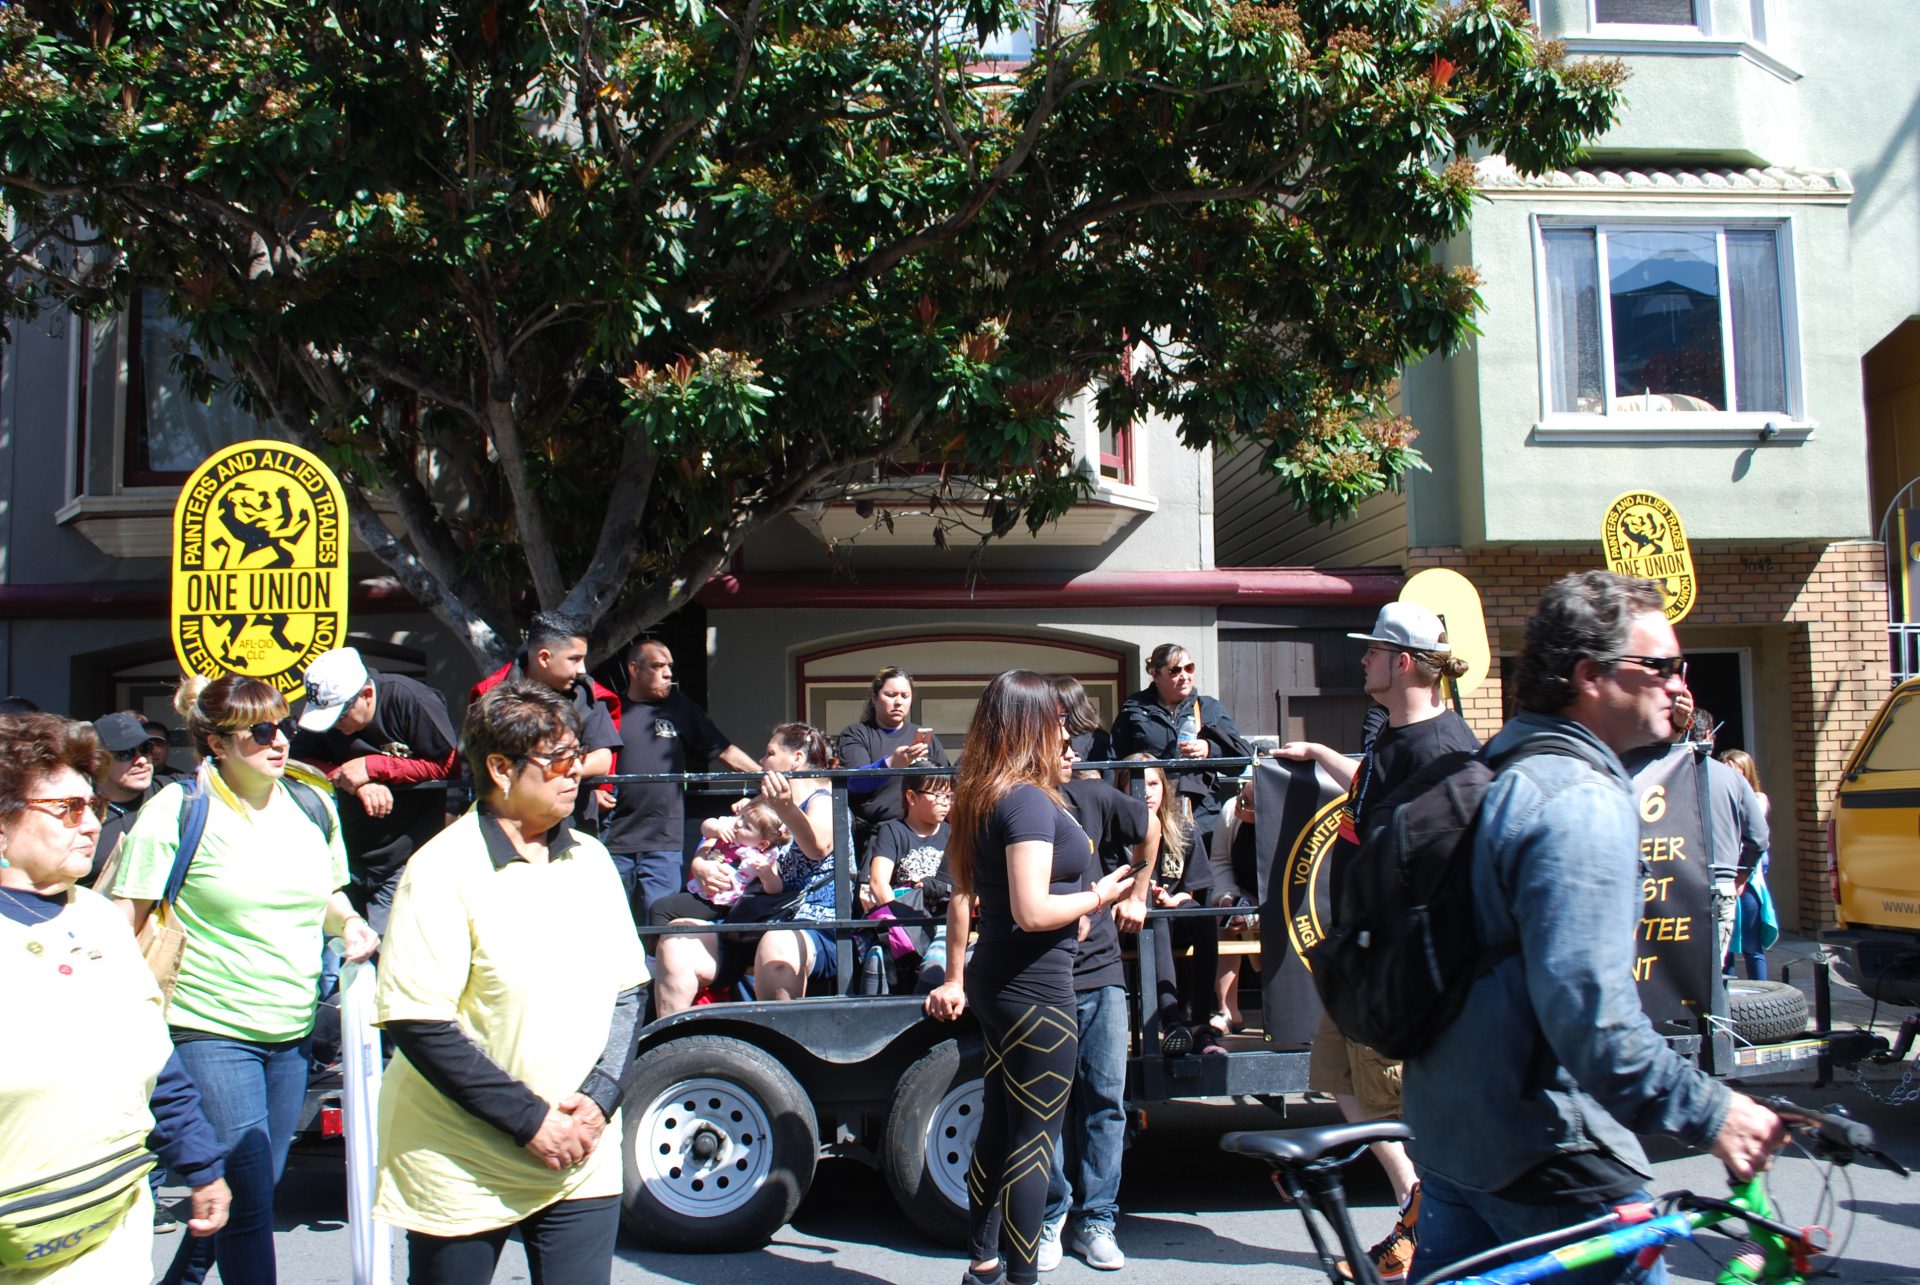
(1765,1011)
(719,1144)
(929,1139)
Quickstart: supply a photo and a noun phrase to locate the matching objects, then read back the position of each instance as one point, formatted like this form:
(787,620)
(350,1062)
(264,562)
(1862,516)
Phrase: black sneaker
(1177,1041)
(165,1221)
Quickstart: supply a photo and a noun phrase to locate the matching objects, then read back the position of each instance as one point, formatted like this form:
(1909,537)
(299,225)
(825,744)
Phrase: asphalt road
(1190,1214)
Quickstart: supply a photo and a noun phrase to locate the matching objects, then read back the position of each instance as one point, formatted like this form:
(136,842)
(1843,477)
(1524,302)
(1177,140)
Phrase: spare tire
(1762,1012)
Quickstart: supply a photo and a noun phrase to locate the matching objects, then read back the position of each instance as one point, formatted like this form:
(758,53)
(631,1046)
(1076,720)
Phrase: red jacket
(517,668)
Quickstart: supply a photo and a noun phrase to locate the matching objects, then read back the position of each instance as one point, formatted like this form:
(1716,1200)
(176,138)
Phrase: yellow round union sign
(1643,538)
(259,565)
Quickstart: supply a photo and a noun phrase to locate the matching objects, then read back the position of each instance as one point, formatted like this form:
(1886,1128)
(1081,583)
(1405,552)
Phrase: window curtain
(1573,321)
(1759,332)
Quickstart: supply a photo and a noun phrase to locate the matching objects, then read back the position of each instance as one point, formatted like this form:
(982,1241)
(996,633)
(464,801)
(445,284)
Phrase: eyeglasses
(558,763)
(1665,666)
(143,750)
(1187,668)
(263,734)
(71,810)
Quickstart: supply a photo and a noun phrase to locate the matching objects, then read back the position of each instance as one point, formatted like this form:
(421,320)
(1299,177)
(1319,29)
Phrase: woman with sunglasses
(1170,719)
(262,891)
(88,1079)
(510,982)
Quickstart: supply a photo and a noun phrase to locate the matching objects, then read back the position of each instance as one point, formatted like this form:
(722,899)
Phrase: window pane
(1665,289)
(1573,321)
(1759,329)
(180,432)
(1665,13)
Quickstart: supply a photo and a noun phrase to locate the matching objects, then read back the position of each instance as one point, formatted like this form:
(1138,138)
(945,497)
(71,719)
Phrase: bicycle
(1306,1167)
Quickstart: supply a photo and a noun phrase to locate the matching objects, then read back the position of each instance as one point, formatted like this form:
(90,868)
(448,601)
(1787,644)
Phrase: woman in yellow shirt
(510,984)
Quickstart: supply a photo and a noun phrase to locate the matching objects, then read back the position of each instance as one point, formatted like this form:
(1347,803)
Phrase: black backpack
(1403,952)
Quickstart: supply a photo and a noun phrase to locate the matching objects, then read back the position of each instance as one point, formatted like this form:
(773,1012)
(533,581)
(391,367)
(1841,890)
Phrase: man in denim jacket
(1524,1110)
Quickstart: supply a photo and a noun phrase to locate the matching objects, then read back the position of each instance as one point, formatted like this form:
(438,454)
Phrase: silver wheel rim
(696,1116)
(949,1142)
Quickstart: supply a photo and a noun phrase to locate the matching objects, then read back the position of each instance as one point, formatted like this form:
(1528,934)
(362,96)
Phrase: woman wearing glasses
(1170,719)
(88,1078)
(262,889)
(510,982)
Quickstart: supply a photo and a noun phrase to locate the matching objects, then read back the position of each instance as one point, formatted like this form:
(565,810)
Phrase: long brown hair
(1174,824)
(1014,739)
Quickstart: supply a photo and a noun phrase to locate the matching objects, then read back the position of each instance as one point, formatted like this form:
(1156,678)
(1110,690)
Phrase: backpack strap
(193,824)
(312,804)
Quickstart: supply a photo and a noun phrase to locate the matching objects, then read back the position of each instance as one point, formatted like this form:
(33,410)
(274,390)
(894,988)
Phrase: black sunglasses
(143,750)
(263,733)
(1665,666)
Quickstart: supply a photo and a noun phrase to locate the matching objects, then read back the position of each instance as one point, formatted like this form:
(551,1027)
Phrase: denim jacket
(1552,1053)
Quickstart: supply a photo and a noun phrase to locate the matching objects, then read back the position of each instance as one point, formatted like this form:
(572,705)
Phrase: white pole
(372,1241)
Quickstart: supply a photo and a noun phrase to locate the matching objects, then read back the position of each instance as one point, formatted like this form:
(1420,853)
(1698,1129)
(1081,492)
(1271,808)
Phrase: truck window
(1897,747)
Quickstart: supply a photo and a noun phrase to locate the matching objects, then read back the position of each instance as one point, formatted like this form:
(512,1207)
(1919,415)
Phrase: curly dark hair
(513,719)
(1584,616)
(34,746)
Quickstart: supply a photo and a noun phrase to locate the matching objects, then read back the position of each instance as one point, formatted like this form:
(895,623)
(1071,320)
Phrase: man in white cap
(1406,657)
(386,743)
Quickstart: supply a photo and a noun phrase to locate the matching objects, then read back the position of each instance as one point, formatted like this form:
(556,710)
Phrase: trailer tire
(929,1138)
(718,1144)
(1762,1012)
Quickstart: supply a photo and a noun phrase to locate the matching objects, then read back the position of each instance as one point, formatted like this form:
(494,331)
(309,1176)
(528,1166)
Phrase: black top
(915,857)
(1095,746)
(1399,752)
(1033,967)
(1115,822)
(409,721)
(879,798)
(670,735)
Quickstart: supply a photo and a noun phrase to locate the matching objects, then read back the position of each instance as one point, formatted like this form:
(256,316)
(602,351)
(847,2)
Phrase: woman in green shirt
(262,890)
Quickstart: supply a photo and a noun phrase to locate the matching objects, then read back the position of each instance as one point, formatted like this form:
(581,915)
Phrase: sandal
(1223,1023)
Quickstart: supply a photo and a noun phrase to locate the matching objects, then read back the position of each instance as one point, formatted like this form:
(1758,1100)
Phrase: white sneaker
(1098,1247)
(1047,1256)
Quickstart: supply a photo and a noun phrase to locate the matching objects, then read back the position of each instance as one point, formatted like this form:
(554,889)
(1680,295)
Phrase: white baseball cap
(333,680)
(1409,626)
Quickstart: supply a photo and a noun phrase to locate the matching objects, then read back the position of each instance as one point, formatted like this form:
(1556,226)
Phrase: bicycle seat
(1304,1146)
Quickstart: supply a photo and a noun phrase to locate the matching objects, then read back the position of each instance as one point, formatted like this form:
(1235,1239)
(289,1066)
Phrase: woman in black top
(885,737)
(1015,847)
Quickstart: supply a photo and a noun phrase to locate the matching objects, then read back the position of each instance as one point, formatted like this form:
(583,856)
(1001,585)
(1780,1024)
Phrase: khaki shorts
(1336,1064)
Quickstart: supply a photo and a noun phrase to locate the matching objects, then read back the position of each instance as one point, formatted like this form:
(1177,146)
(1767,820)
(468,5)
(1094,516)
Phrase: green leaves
(776,244)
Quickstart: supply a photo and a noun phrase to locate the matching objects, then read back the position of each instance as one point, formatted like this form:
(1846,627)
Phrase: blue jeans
(1096,1127)
(649,876)
(1456,1223)
(252,1094)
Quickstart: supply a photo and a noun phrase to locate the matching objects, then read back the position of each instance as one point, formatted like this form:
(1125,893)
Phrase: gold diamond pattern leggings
(1032,1051)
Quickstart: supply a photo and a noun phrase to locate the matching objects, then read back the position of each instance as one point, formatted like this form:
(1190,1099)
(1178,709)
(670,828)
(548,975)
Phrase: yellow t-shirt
(528,959)
(252,908)
(83,1048)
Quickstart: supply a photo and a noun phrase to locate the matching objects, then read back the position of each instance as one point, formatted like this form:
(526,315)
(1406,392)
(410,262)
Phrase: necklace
(25,901)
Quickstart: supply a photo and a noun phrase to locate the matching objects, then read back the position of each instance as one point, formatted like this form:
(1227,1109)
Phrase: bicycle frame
(1785,1250)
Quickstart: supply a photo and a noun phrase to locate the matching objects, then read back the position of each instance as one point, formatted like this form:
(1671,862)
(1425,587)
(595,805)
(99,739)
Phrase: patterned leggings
(1032,1054)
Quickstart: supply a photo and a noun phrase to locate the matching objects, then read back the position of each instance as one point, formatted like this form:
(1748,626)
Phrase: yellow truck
(1873,854)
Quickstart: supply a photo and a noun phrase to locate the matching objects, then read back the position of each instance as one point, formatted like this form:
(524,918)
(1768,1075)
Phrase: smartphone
(1134,868)
(923,736)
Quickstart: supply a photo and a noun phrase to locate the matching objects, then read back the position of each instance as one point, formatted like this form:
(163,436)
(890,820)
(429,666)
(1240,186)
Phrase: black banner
(1298,811)
(1675,945)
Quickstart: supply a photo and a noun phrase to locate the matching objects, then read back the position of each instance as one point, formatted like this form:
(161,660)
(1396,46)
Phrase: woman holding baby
(799,879)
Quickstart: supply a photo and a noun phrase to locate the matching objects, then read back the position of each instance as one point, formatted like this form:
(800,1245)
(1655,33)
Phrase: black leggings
(569,1242)
(1032,1056)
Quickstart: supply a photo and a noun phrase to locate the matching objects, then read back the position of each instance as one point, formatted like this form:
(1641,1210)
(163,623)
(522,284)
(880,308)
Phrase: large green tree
(585,292)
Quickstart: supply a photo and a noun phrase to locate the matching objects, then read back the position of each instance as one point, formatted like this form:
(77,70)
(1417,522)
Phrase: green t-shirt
(251,907)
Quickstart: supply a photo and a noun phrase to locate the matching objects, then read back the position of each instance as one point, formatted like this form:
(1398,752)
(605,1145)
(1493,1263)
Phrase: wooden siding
(1253,527)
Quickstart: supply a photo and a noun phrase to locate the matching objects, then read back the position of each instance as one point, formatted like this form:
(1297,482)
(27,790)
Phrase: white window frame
(1612,425)
(1700,28)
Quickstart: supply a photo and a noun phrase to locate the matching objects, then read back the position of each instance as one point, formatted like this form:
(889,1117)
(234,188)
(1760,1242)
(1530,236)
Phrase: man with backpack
(1407,656)
(1525,1105)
